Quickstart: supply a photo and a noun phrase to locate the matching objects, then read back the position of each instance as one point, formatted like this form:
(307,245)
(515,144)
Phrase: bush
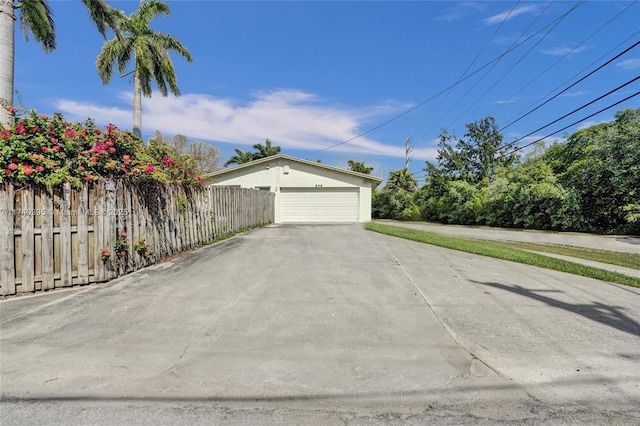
(37,149)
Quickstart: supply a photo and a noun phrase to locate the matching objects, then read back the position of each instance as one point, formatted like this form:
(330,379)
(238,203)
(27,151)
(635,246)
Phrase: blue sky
(310,75)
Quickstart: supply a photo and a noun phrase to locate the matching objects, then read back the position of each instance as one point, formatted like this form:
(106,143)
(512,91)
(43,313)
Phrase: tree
(397,198)
(401,180)
(266,150)
(477,154)
(150,52)
(360,167)
(203,156)
(600,163)
(241,157)
(36,18)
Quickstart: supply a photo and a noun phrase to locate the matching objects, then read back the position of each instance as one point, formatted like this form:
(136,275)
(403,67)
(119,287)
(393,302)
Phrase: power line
(555,63)
(569,87)
(566,127)
(473,61)
(575,110)
(499,57)
(496,63)
(478,55)
(568,53)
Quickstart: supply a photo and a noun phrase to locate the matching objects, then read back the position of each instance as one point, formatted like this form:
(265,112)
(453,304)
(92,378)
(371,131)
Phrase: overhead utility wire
(473,61)
(569,87)
(574,111)
(413,108)
(510,69)
(566,127)
(478,55)
(572,50)
(583,78)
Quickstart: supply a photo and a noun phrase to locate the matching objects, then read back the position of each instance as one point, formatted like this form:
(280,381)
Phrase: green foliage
(37,149)
(360,167)
(475,156)
(143,248)
(589,183)
(632,212)
(262,151)
(461,203)
(149,49)
(602,165)
(122,248)
(401,180)
(397,199)
(266,150)
(240,157)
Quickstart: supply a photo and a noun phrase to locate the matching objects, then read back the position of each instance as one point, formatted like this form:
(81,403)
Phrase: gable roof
(221,172)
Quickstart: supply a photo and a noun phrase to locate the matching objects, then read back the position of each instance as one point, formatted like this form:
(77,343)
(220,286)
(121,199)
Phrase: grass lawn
(504,251)
(628,260)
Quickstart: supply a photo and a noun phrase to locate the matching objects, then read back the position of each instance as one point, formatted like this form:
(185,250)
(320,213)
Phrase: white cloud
(587,124)
(290,118)
(574,94)
(510,14)
(507,101)
(629,64)
(460,11)
(563,50)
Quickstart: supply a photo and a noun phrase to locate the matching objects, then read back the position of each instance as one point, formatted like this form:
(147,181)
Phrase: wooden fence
(51,238)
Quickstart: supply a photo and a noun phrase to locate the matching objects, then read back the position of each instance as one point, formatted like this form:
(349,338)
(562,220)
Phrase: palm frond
(36,17)
(103,16)
(148,11)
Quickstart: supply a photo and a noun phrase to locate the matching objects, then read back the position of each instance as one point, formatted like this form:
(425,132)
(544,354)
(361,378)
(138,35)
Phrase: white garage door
(319,204)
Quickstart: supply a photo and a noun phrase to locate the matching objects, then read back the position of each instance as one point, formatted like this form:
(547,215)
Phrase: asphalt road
(324,325)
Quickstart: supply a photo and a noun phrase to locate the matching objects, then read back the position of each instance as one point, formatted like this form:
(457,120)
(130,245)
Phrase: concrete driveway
(325,325)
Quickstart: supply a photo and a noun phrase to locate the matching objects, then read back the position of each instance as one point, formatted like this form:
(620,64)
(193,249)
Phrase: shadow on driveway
(611,316)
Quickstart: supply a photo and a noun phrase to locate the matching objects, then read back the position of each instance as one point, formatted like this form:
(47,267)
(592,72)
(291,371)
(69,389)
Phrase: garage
(319,205)
(305,191)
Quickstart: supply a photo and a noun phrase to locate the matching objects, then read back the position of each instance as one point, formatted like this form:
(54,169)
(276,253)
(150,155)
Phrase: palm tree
(360,167)
(36,18)
(401,180)
(241,157)
(266,150)
(150,50)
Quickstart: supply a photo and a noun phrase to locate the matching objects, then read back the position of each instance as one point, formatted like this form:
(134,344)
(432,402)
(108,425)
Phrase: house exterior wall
(283,173)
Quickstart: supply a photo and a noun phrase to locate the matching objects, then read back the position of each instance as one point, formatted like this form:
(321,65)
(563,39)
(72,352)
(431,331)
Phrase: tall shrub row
(589,182)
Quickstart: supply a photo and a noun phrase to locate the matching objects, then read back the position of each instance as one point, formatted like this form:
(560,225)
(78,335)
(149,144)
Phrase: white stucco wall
(283,173)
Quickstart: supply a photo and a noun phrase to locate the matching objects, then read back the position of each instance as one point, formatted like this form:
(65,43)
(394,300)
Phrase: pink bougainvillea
(49,150)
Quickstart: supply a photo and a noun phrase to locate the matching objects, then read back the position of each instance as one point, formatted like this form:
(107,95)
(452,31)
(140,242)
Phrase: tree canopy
(36,18)
(262,150)
(150,52)
(360,167)
(589,182)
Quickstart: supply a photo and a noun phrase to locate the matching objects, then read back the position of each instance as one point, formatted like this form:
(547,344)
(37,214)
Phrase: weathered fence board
(52,238)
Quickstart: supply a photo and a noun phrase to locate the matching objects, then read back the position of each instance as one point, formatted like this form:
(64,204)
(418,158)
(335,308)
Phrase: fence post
(65,236)
(28,251)
(7,240)
(83,235)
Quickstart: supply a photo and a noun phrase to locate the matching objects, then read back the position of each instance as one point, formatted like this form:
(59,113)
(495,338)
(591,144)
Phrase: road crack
(450,332)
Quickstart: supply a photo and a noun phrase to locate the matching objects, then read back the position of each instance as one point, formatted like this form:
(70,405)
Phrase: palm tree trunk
(137,105)
(7,46)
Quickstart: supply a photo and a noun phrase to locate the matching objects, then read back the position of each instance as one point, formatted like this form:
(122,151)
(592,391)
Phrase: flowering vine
(122,247)
(142,247)
(50,150)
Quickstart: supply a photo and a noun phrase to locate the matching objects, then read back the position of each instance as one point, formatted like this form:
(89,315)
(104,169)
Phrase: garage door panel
(319,204)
